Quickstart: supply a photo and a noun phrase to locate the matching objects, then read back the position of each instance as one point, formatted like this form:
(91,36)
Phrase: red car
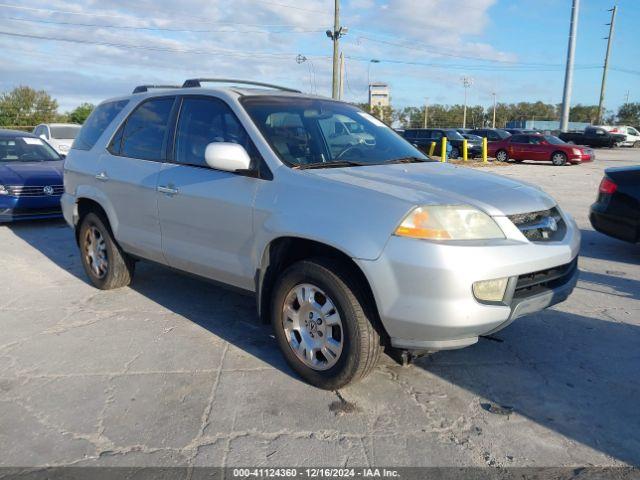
(538,147)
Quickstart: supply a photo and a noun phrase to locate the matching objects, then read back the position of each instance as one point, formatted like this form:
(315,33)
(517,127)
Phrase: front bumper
(14,209)
(423,290)
(583,158)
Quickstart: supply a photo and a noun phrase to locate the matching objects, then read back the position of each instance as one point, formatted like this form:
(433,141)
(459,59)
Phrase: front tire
(636,144)
(104,262)
(559,159)
(455,153)
(323,324)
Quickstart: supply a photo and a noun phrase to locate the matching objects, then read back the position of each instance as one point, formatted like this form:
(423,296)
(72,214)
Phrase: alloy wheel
(312,326)
(95,251)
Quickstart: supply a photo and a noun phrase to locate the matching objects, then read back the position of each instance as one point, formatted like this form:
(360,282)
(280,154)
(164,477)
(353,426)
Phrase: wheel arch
(85,205)
(282,252)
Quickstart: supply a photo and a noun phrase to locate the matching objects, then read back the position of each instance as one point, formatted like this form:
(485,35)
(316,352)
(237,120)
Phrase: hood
(440,183)
(31,173)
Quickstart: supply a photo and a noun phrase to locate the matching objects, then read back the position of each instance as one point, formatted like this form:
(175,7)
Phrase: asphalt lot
(175,371)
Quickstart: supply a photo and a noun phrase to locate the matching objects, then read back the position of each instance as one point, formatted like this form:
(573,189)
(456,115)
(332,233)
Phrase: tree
(584,113)
(629,114)
(80,113)
(24,106)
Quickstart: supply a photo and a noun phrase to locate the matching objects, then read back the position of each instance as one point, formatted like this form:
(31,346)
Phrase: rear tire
(104,262)
(455,153)
(324,324)
(559,159)
(636,144)
(502,156)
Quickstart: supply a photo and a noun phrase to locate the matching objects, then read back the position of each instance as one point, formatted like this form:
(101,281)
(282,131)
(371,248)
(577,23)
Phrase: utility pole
(335,35)
(466,83)
(606,63)
(426,112)
(493,124)
(568,76)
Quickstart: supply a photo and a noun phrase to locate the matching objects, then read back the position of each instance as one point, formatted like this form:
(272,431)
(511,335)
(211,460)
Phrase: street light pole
(606,63)
(466,83)
(568,76)
(335,35)
(426,112)
(493,125)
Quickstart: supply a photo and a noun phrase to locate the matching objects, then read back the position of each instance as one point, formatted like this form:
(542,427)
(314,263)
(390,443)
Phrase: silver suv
(348,244)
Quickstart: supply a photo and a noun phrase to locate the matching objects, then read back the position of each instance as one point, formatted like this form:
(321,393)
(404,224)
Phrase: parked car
(632,135)
(30,177)
(519,131)
(347,253)
(616,211)
(594,137)
(474,141)
(59,135)
(422,137)
(546,148)
(491,134)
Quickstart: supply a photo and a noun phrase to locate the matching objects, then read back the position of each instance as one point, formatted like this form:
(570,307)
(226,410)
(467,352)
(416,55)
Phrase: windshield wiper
(337,164)
(406,160)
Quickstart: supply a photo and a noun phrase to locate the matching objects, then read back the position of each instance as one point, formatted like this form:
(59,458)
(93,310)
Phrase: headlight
(3,190)
(576,151)
(449,222)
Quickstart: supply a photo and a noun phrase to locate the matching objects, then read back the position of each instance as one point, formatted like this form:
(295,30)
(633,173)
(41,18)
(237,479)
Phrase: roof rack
(145,88)
(196,82)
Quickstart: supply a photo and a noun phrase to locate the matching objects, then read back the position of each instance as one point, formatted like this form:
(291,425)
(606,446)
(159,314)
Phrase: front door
(206,215)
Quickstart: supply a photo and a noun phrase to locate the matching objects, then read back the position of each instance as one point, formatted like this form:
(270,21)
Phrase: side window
(143,134)
(38,131)
(632,131)
(203,121)
(96,124)
(535,139)
(410,134)
(519,139)
(436,135)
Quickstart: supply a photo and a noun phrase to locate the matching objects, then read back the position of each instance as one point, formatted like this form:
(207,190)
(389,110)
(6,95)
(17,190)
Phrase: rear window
(97,123)
(66,132)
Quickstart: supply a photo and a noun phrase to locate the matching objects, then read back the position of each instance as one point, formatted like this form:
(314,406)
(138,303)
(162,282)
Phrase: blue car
(30,178)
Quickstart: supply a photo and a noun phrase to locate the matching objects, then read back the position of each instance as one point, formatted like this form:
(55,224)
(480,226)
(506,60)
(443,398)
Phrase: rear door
(206,215)
(518,147)
(128,174)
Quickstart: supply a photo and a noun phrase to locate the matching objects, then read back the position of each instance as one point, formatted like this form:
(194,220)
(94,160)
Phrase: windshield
(553,140)
(454,135)
(25,149)
(307,131)
(66,132)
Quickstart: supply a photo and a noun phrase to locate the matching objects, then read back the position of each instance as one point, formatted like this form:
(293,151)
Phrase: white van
(633,136)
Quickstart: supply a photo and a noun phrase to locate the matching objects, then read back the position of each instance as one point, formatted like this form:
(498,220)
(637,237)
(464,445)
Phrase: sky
(89,50)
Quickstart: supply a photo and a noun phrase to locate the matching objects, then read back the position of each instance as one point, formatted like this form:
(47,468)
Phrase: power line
(192,18)
(230,53)
(159,29)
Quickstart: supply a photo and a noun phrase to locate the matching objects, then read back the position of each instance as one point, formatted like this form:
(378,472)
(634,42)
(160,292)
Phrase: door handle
(102,176)
(169,190)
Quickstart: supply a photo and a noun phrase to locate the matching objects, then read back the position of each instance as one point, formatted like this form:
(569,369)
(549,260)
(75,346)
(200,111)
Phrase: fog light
(490,290)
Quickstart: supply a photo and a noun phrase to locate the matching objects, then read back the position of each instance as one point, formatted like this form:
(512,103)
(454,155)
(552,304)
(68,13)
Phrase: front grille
(35,190)
(542,226)
(532,283)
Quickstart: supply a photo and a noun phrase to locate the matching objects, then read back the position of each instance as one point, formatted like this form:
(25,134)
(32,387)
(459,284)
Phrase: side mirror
(228,157)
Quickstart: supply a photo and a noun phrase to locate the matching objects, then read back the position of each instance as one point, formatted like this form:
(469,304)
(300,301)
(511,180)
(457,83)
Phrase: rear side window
(143,135)
(96,124)
(519,139)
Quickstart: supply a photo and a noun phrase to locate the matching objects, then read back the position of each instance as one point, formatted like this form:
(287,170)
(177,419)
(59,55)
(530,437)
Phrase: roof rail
(196,82)
(145,88)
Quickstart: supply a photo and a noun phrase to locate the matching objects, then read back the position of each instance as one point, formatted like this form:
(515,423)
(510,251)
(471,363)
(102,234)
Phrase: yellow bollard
(432,148)
(464,150)
(443,152)
(484,149)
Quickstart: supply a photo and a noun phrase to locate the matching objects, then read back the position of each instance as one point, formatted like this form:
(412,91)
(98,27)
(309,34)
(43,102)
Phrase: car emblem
(48,190)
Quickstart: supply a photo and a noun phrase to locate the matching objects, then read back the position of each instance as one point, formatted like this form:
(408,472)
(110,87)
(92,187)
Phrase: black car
(521,131)
(422,137)
(594,137)
(492,134)
(617,210)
